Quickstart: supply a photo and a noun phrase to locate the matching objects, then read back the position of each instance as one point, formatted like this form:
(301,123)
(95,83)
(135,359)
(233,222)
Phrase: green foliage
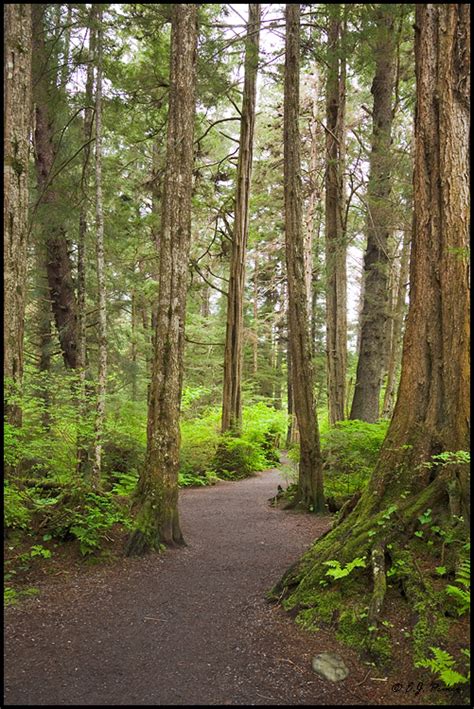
(93,517)
(210,477)
(191,395)
(41,551)
(350,450)
(11,444)
(237,457)
(199,439)
(17,515)
(449,458)
(338,572)
(442,664)
(125,483)
(10,596)
(204,452)
(462,596)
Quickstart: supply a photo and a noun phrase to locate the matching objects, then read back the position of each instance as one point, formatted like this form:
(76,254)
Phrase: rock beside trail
(330,666)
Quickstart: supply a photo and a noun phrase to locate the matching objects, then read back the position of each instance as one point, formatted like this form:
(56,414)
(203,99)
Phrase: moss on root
(412,548)
(156,526)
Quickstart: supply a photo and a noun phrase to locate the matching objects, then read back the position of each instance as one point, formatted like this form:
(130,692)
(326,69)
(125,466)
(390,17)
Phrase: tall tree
(231,403)
(365,404)
(58,263)
(335,238)
(432,410)
(16,133)
(101,287)
(82,443)
(157,520)
(398,314)
(310,481)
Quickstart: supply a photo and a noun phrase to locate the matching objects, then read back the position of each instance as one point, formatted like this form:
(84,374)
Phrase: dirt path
(189,626)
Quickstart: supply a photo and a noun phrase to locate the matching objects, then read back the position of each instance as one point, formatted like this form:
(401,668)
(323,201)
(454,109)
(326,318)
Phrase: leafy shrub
(262,431)
(199,439)
(238,458)
(93,518)
(16,512)
(265,426)
(11,444)
(210,477)
(350,450)
(125,483)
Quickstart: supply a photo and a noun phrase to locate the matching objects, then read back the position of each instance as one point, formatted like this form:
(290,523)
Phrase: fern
(442,664)
(462,596)
(338,572)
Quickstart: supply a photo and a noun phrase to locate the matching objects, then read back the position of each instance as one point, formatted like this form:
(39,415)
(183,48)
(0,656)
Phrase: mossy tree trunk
(310,493)
(232,403)
(432,409)
(17,111)
(157,518)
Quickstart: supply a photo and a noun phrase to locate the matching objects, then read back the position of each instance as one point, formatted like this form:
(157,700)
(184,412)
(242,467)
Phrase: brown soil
(190,626)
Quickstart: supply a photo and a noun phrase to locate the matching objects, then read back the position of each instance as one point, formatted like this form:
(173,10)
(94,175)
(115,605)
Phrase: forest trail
(190,626)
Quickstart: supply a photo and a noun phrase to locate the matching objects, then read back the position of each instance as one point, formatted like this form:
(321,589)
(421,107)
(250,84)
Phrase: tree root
(380,585)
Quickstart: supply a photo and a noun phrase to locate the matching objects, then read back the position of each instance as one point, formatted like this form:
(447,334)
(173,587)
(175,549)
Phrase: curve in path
(189,626)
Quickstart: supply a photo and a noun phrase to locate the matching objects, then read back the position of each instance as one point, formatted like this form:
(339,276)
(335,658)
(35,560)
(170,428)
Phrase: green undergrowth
(426,589)
(206,455)
(47,502)
(349,451)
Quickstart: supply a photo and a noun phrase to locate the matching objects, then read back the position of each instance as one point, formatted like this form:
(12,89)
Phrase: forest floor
(190,626)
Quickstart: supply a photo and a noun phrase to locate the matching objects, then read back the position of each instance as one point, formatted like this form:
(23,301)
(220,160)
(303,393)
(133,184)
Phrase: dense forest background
(210,255)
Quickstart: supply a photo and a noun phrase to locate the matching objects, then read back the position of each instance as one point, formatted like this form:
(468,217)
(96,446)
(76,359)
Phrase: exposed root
(380,585)
(137,544)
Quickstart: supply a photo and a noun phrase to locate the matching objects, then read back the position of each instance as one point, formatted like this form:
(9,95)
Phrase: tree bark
(59,268)
(231,401)
(17,113)
(157,520)
(397,333)
(432,410)
(310,481)
(82,443)
(100,258)
(365,404)
(336,276)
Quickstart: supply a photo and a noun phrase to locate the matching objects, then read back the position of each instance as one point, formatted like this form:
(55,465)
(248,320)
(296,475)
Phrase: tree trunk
(44,332)
(231,401)
(397,334)
(101,287)
(336,278)
(157,520)
(255,316)
(314,193)
(310,482)
(58,264)
(365,404)
(432,410)
(82,443)
(16,116)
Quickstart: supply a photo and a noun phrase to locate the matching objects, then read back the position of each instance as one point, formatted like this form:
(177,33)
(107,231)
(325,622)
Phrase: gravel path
(189,626)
